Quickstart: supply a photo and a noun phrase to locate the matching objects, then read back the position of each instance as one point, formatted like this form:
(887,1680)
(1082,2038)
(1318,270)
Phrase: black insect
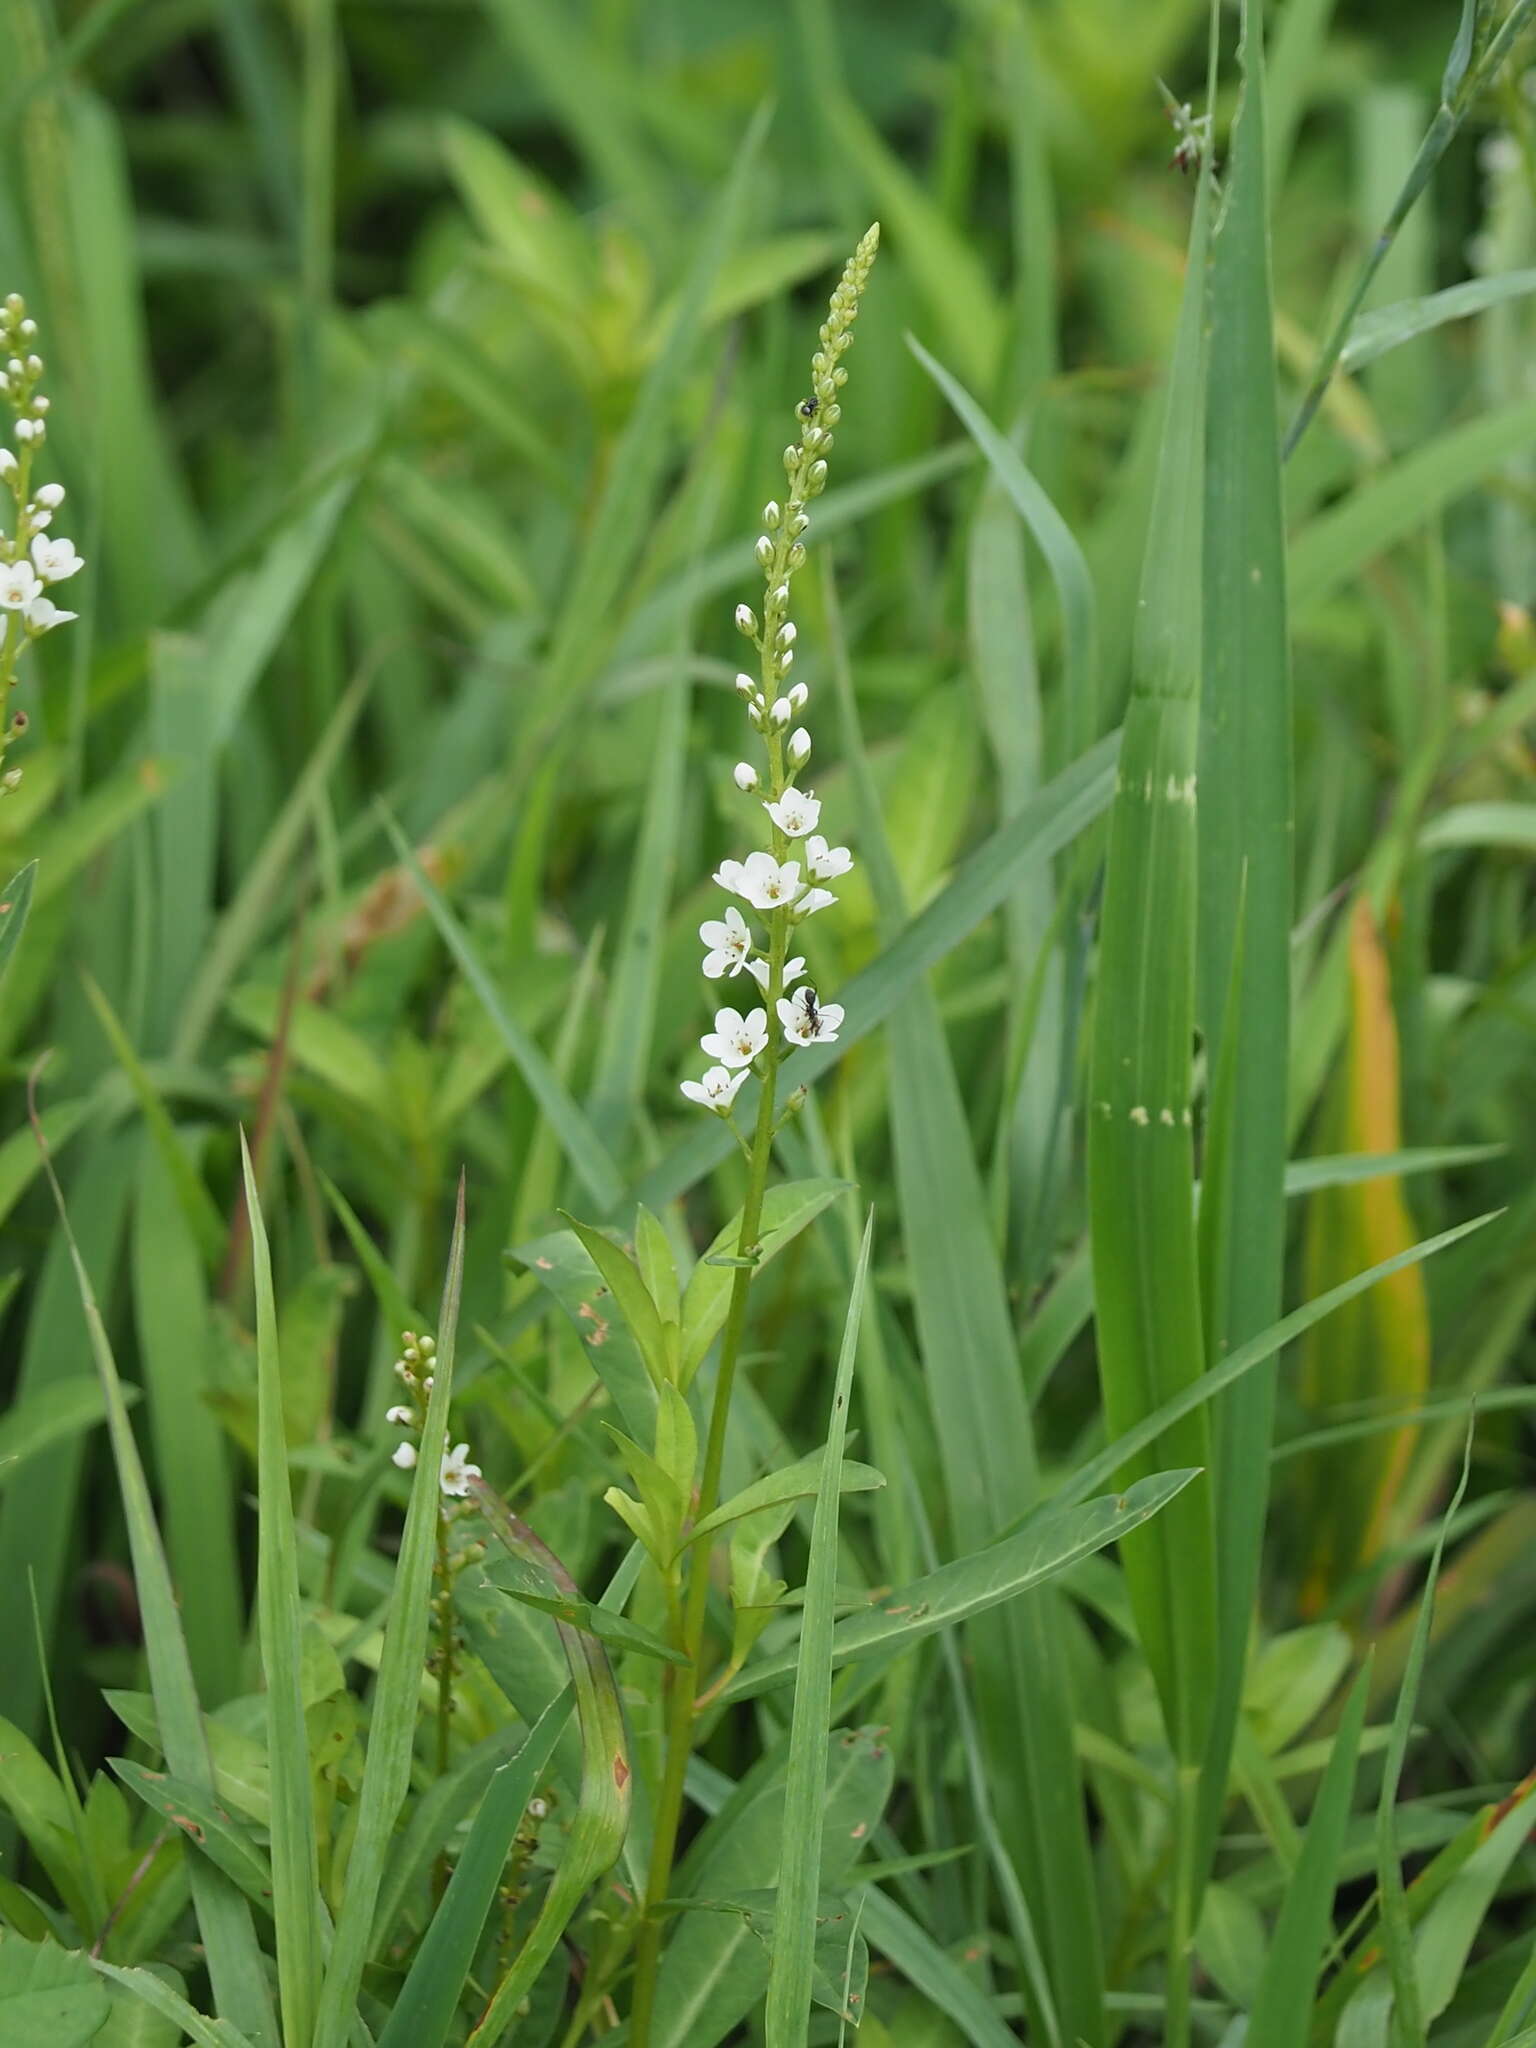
(808,407)
(808,1006)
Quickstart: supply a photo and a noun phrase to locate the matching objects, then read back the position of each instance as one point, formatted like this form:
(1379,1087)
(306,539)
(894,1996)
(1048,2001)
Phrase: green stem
(682,1680)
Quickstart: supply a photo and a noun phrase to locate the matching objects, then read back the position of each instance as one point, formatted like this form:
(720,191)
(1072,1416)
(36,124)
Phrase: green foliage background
(418,372)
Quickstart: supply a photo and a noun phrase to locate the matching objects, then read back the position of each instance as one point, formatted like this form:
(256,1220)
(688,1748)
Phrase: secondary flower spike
(31,559)
(776,880)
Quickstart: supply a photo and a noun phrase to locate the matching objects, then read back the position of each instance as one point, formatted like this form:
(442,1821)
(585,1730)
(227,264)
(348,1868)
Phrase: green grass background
(418,373)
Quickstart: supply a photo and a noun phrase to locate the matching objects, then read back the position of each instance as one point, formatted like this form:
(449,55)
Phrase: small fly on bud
(808,408)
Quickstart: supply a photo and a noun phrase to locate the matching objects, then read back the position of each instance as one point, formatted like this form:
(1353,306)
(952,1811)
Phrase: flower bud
(763,551)
(785,658)
(792,458)
(797,555)
(771,514)
(798,525)
(798,695)
(746,621)
(799,749)
(786,634)
(745,687)
(405,1456)
(7,462)
(781,597)
(746,776)
(781,713)
(817,480)
(27,329)
(35,365)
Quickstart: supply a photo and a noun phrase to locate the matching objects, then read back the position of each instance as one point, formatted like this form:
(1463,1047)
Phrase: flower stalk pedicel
(32,560)
(782,883)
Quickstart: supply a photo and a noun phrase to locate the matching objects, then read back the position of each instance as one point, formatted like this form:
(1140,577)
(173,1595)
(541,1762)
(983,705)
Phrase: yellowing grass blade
(1377,1349)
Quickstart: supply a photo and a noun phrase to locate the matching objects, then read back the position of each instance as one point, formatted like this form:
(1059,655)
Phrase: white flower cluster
(785,883)
(414,1371)
(30,561)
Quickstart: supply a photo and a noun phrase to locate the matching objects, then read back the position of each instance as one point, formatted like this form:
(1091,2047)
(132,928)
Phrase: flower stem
(682,1680)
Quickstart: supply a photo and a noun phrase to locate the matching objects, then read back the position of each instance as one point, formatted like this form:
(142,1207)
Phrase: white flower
(50,496)
(793,969)
(18,586)
(55,559)
(805,1021)
(812,901)
(405,1456)
(745,776)
(795,813)
(717,1090)
(401,1417)
(43,615)
(736,1041)
(764,884)
(729,943)
(729,876)
(798,750)
(825,863)
(455,1472)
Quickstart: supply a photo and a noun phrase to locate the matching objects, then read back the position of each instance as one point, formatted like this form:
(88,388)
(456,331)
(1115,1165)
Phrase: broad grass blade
(987,1455)
(1140,1150)
(791,1969)
(1245,859)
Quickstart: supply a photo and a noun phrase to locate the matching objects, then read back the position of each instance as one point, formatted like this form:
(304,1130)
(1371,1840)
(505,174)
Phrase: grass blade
(15,902)
(392,1730)
(295,1854)
(791,1969)
(428,2000)
(1057,543)
(1141,1181)
(589,1157)
(1245,856)
(1050,1541)
(1282,2010)
(224,1918)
